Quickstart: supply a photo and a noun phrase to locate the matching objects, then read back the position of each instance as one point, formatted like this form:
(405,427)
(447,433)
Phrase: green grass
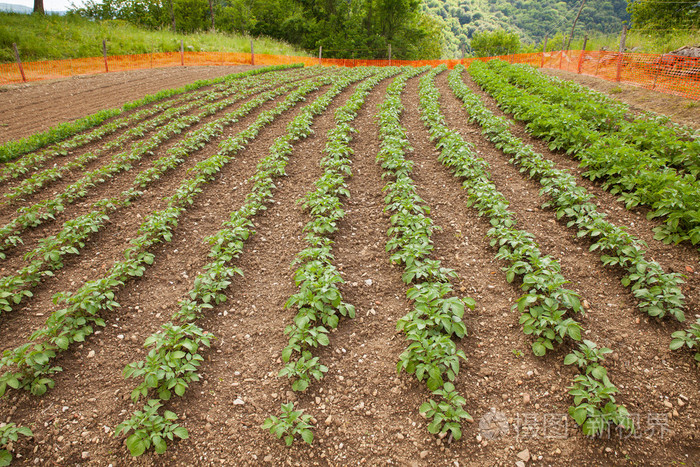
(647,42)
(56,37)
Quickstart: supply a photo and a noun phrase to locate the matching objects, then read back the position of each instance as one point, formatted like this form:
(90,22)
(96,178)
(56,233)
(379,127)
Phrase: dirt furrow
(502,375)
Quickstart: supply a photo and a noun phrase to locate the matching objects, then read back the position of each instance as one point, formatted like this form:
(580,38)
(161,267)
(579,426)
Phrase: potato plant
(318,301)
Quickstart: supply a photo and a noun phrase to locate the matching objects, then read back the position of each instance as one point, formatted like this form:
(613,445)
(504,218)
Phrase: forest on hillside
(415,29)
(531,20)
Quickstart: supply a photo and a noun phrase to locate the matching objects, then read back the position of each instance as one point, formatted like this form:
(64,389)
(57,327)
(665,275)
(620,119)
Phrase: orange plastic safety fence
(667,73)
(673,74)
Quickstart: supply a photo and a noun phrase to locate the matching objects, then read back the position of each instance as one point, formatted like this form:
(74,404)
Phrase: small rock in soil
(524,455)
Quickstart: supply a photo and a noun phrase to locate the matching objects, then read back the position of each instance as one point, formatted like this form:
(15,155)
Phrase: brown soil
(366,413)
(680,109)
(30,108)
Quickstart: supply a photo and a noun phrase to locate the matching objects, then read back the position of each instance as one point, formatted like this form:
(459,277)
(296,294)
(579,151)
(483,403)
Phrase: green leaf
(538,349)
(136,445)
(307,436)
(5,458)
(599,372)
(676,344)
(181,432)
(570,359)
(159,445)
(580,415)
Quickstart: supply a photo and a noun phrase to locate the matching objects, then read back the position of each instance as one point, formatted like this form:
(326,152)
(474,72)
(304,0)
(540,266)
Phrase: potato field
(353,266)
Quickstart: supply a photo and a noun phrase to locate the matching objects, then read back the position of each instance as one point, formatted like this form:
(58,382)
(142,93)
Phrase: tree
(38,7)
(498,42)
(664,14)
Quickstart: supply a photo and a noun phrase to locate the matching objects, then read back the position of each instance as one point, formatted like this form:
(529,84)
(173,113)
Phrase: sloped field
(188,267)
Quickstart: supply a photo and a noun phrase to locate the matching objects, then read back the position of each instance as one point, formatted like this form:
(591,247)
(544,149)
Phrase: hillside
(56,37)
(531,19)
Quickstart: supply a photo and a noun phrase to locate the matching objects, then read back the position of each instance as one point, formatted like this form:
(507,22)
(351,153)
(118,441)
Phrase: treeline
(344,28)
(531,20)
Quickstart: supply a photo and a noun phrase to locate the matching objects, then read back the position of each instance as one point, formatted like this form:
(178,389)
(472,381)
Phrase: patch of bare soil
(680,109)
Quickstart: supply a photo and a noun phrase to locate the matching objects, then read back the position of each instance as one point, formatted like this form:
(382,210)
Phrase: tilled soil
(29,108)
(365,412)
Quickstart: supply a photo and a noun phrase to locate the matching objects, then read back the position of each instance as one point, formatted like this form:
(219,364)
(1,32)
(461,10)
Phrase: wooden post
(182,53)
(544,49)
(320,55)
(389,54)
(561,56)
(583,52)
(571,36)
(620,53)
(252,53)
(462,47)
(104,53)
(19,63)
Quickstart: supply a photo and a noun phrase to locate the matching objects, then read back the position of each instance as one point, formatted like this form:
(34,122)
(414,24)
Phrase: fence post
(544,49)
(19,63)
(320,55)
(583,51)
(182,53)
(104,53)
(620,52)
(389,54)
(252,53)
(561,56)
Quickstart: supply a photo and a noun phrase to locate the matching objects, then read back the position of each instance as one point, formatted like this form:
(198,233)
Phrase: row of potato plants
(48,256)
(36,214)
(545,305)
(655,133)
(318,301)
(436,316)
(30,365)
(174,356)
(658,292)
(14,149)
(638,176)
(163,112)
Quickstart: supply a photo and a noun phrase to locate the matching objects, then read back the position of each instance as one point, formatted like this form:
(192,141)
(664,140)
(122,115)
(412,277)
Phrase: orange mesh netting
(666,73)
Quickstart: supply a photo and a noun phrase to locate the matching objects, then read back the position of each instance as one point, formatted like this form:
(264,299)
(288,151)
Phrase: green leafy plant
(150,429)
(447,414)
(289,424)
(9,433)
